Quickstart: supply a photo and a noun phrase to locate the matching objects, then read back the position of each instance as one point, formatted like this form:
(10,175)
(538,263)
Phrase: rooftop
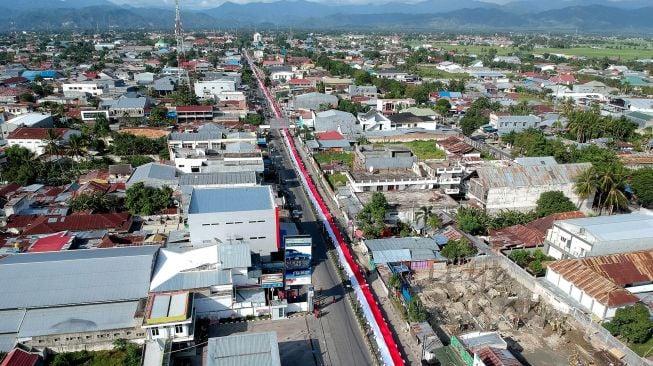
(212,200)
(223,178)
(168,307)
(75,276)
(615,227)
(26,133)
(260,349)
(529,176)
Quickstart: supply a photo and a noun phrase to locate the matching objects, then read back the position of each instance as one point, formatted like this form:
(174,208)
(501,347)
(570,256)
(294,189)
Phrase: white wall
(256,228)
(524,198)
(211,88)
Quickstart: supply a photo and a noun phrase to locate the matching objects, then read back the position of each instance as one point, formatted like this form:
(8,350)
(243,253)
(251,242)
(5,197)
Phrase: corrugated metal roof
(615,227)
(153,171)
(529,176)
(221,178)
(75,276)
(78,319)
(536,161)
(196,136)
(194,280)
(234,199)
(603,277)
(10,320)
(260,349)
(391,250)
(235,255)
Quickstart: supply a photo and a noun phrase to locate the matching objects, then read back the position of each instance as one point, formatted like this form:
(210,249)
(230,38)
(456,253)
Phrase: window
(179,328)
(155,332)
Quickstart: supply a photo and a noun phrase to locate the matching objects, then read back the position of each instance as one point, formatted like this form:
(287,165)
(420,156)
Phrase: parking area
(298,345)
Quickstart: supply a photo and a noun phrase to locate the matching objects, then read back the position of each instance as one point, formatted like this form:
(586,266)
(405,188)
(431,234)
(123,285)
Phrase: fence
(593,331)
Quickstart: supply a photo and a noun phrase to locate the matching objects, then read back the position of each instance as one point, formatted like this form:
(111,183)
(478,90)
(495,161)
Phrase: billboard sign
(298,252)
(272,280)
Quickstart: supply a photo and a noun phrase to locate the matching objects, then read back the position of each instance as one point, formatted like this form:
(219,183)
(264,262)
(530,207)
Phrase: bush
(532,260)
(631,323)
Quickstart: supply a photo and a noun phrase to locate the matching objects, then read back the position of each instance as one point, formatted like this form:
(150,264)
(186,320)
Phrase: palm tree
(76,146)
(427,217)
(52,143)
(585,185)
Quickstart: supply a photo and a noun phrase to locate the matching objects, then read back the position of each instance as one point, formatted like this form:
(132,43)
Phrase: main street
(344,342)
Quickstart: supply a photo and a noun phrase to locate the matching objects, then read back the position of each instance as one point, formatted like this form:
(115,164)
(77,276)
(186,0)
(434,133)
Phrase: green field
(327,157)
(643,349)
(623,53)
(432,72)
(337,180)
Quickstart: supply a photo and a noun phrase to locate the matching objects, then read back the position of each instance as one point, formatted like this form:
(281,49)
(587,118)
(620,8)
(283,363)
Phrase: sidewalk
(407,344)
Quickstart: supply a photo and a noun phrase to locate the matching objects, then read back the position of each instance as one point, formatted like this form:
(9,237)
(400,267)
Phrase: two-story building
(504,123)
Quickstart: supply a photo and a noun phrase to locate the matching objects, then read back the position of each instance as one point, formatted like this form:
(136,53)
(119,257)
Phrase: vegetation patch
(328,157)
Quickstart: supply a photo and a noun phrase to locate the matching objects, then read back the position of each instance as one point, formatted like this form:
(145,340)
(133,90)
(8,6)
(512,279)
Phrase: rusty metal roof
(526,176)
(603,277)
(529,235)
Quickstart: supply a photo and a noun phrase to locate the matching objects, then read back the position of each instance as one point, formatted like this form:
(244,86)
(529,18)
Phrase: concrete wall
(524,198)
(92,341)
(256,228)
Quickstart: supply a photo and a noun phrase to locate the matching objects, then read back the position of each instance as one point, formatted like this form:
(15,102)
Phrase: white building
(37,139)
(210,88)
(506,123)
(239,214)
(592,236)
(75,89)
(601,285)
(257,37)
(170,316)
(519,187)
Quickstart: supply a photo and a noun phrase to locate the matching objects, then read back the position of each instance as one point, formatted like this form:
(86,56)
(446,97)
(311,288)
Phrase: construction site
(471,298)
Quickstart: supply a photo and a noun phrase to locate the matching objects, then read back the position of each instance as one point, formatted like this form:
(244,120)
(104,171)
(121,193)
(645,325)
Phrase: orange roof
(604,277)
(27,133)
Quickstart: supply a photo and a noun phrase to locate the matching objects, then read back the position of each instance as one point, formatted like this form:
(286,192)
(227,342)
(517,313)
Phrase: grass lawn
(97,358)
(432,72)
(424,149)
(623,53)
(327,157)
(337,180)
(644,349)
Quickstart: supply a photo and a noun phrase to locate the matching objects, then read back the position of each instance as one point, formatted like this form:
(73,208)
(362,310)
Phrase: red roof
(18,357)
(330,135)
(194,108)
(8,190)
(15,80)
(530,235)
(19,221)
(299,81)
(52,243)
(110,221)
(28,133)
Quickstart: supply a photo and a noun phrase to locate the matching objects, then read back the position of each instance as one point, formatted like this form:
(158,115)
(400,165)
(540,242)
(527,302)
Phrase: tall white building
(237,214)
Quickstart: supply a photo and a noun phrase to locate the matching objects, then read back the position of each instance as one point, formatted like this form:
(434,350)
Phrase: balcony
(451,190)
(454,170)
(449,180)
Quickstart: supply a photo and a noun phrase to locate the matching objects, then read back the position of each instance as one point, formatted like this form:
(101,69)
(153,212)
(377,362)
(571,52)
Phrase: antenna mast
(182,75)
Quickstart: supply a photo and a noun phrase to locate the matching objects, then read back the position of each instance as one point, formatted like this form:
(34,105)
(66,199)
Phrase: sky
(205,4)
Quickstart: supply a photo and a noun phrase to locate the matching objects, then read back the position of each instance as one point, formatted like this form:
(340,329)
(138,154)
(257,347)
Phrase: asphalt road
(344,341)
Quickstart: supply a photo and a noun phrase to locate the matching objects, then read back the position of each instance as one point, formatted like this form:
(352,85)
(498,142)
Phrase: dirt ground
(463,299)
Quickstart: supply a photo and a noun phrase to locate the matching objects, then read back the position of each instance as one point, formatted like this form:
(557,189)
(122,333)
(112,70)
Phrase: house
(170,316)
(530,235)
(235,214)
(335,120)
(507,59)
(120,172)
(314,101)
(410,120)
(244,349)
(504,123)
(83,88)
(36,140)
(332,141)
(603,284)
(301,83)
(18,357)
(372,120)
(336,85)
(86,299)
(519,187)
(194,113)
(165,85)
(282,74)
(391,74)
(592,236)
(126,107)
(484,348)
(416,253)
(154,175)
(368,91)
(392,106)
(454,147)
(115,222)
(60,241)
(32,120)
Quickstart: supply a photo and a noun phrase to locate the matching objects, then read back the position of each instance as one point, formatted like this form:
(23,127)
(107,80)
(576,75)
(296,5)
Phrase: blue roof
(207,200)
(32,74)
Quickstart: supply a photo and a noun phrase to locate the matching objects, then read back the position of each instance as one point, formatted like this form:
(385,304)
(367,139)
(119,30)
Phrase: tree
(585,185)
(416,311)
(631,323)
(137,160)
(395,281)
(553,202)
(427,217)
(641,182)
(22,166)
(52,143)
(147,200)
(371,217)
(472,220)
(442,106)
(158,116)
(98,202)
(184,96)
(457,250)
(76,146)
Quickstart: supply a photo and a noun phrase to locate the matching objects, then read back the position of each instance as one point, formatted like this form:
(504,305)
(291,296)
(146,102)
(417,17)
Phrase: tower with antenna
(179,37)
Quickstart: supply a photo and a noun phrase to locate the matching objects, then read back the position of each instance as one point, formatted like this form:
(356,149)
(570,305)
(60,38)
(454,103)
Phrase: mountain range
(615,17)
